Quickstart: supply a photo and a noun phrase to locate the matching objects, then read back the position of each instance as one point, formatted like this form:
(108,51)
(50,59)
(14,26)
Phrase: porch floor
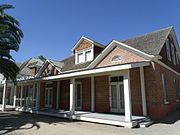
(105,118)
(8,107)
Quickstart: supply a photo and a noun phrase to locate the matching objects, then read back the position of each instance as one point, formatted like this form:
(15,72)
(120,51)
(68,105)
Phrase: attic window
(116,58)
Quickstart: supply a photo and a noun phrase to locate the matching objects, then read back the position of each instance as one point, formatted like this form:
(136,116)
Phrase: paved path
(16,123)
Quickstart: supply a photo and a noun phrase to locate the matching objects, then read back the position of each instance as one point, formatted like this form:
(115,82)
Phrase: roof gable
(50,67)
(87,40)
(150,43)
(115,43)
(118,56)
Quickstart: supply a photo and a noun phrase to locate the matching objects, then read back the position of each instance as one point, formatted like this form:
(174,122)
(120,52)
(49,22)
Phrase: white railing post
(15,90)
(4,95)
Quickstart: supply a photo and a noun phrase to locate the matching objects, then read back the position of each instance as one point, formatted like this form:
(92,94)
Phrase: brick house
(110,84)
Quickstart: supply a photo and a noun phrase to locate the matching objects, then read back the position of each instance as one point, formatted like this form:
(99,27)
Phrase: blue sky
(52,27)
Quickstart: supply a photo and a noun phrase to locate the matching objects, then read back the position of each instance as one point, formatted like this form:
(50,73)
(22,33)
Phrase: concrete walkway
(30,124)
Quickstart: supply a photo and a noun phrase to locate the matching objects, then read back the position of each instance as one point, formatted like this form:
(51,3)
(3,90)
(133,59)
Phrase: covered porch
(100,95)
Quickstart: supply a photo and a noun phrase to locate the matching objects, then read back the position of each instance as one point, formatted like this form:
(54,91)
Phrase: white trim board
(115,43)
(98,70)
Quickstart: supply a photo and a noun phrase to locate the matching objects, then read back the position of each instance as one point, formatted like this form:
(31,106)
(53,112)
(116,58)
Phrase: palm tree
(10,38)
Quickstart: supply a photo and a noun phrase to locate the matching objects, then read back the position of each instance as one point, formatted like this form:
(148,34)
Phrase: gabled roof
(57,64)
(150,43)
(69,64)
(87,39)
(25,70)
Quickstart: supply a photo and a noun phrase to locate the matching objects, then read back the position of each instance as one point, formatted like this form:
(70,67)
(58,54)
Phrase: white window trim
(86,52)
(84,55)
(116,60)
(165,91)
(80,59)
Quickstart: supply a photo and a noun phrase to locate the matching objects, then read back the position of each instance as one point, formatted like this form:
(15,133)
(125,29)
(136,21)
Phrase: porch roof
(91,72)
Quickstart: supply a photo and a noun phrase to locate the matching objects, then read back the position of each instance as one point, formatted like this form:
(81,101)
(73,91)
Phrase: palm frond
(6,6)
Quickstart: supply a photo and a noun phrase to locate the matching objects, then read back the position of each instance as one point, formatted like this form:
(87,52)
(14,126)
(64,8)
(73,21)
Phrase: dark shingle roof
(69,64)
(150,43)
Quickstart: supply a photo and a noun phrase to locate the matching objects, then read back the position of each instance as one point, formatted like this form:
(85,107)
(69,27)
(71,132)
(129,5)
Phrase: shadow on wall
(11,121)
(170,119)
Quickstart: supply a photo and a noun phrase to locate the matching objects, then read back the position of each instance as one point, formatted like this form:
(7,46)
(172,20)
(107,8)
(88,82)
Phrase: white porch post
(4,95)
(15,89)
(143,92)
(57,98)
(127,97)
(92,94)
(72,96)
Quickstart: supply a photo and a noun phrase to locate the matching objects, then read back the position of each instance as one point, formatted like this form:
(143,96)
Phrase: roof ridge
(148,33)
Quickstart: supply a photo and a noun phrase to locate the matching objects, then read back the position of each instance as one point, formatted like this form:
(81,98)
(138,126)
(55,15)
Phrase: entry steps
(145,122)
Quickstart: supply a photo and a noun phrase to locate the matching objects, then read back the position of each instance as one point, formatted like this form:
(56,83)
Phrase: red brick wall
(102,94)
(136,91)
(86,93)
(154,91)
(127,57)
(42,95)
(64,94)
(54,85)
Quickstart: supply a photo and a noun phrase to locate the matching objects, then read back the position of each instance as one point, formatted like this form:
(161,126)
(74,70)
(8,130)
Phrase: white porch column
(92,94)
(4,96)
(15,89)
(127,97)
(57,97)
(143,92)
(72,96)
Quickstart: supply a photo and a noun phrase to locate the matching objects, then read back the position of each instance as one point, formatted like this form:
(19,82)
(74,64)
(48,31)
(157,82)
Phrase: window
(116,58)
(168,50)
(176,89)
(117,79)
(164,85)
(177,58)
(80,58)
(88,56)
(173,54)
(84,56)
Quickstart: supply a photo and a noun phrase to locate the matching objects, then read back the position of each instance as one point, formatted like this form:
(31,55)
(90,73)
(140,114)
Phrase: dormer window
(80,58)
(84,56)
(86,50)
(88,55)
